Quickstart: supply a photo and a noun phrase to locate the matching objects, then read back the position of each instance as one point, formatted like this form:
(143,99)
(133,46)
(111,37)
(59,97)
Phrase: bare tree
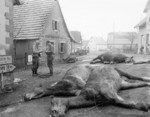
(132,36)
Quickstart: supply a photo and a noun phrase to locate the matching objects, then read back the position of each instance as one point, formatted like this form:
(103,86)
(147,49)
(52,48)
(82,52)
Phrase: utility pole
(113,34)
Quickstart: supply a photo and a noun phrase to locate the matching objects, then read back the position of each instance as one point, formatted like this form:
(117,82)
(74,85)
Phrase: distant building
(122,40)
(85,44)
(78,44)
(143,28)
(40,21)
(97,43)
(6,27)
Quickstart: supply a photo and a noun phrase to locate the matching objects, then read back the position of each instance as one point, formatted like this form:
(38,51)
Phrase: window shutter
(65,47)
(58,25)
(53,24)
(59,47)
(53,48)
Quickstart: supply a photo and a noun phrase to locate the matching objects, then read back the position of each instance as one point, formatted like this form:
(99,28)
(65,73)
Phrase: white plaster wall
(2,27)
(142,39)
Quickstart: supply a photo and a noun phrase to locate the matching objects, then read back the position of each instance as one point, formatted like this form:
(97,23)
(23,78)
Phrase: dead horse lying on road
(101,87)
(110,57)
(73,81)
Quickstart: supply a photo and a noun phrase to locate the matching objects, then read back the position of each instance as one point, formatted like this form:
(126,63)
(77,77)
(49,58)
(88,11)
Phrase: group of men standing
(50,57)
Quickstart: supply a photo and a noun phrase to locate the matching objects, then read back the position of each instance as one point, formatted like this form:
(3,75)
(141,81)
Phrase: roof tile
(30,18)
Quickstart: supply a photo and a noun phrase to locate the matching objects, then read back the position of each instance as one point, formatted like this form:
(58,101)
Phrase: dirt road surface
(40,107)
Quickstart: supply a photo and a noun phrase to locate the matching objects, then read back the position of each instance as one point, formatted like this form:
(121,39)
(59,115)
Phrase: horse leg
(129,76)
(111,95)
(130,104)
(44,93)
(128,85)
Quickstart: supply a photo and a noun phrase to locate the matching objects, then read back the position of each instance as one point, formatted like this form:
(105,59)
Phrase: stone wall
(6,27)
(6,36)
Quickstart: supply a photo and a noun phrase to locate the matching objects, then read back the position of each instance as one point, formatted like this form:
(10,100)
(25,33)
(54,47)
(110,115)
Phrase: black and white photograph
(74,58)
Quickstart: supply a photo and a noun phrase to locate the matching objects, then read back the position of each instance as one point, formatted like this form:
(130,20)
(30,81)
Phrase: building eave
(141,23)
(71,37)
(146,6)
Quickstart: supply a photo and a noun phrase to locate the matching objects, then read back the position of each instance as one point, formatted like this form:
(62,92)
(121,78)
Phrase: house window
(62,47)
(55,25)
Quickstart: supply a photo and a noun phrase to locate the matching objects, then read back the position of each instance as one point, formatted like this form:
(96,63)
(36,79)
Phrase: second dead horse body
(110,57)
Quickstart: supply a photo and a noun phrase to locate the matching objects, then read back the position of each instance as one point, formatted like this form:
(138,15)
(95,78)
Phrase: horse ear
(52,97)
(132,57)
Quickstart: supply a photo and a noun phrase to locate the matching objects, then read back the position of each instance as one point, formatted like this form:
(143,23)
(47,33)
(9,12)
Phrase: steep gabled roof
(77,36)
(69,34)
(30,18)
(147,6)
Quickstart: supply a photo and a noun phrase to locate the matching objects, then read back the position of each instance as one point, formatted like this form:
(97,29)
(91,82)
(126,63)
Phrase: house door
(142,40)
(21,52)
(141,47)
(147,39)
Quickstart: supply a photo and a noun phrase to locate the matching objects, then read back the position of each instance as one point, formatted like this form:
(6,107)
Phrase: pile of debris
(70,59)
(81,52)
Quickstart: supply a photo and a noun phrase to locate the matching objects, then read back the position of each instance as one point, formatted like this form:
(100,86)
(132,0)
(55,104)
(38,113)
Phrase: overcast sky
(99,17)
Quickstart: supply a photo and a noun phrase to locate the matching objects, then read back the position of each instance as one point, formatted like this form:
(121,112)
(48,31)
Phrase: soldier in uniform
(35,63)
(35,58)
(49,52)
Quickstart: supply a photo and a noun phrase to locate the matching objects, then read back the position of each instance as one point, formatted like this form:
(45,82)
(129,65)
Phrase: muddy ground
(40,107)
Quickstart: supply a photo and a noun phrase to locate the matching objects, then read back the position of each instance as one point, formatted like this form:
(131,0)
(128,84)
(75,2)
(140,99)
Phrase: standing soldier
(49,52)
(35,63)
(35,58)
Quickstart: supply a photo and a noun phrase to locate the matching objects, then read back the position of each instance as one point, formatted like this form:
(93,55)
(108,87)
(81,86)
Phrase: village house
(143,28)
(97,44)
(6,27)
(77,36)
(6,42)
(40,21)
(122,41)
(85,45)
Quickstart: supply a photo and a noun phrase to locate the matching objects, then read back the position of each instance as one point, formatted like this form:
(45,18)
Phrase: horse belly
(81,72)
(107,57)
(119,58)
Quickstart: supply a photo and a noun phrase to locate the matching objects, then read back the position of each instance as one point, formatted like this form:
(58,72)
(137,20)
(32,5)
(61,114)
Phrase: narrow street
(40,107)
(42,39)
